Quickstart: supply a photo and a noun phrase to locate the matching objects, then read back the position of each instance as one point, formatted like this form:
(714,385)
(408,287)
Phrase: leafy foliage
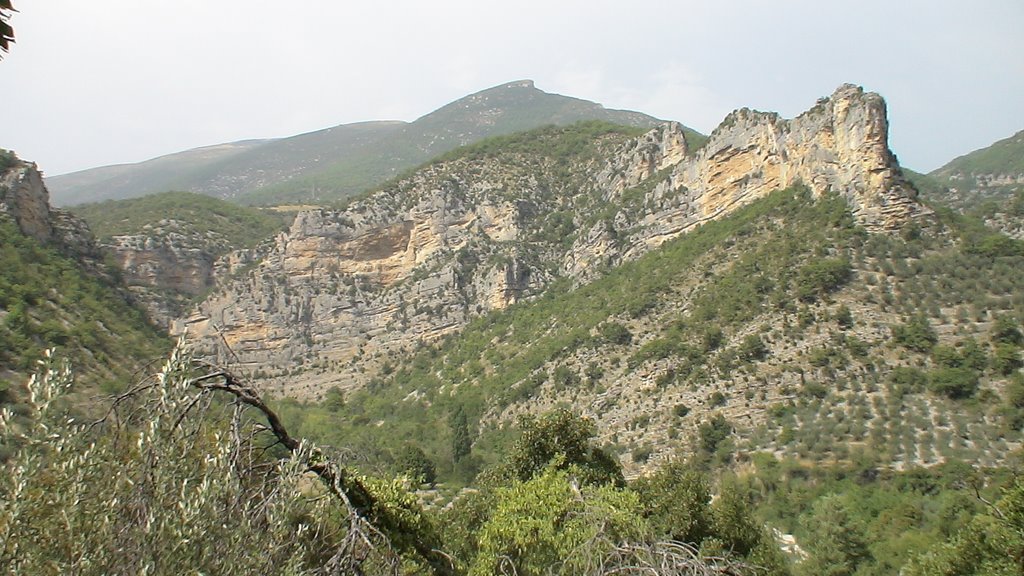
(547,525)
(916,334)
(48,300)
(993,542)
(413,461)
(174,482)
(819,277)
(562,439)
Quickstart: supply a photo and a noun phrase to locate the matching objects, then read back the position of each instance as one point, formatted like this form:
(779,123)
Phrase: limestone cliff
(170,264)
(840,146)
(25,200)
(344,289)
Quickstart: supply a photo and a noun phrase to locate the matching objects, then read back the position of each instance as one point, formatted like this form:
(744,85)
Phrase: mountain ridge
(993,173)
(57,291)
(484,228)
(347,159)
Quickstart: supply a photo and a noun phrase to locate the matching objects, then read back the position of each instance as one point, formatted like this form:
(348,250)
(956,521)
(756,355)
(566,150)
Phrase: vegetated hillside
(992,173)
(169,172)
(838,374)
(47,300)
(169,246)
(505,109)
(781,328)
(481,228)
(230,226)
(345,160)
(55,293)
(1000,207)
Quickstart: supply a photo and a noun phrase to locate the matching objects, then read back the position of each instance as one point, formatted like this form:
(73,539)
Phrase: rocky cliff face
(169,264)
(343,289)
(25,200)
(839,146)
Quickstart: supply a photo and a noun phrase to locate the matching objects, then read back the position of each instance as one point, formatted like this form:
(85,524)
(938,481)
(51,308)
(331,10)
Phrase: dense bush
(822,276)
(174,482)
(955,383)
(916,334)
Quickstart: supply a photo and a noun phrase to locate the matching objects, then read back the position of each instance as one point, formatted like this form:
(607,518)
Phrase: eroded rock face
(25,200)
(840,146)
(165,268)
(341,290)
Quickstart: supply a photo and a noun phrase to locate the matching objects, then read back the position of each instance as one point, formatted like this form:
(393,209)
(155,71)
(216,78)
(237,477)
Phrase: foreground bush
(174,480)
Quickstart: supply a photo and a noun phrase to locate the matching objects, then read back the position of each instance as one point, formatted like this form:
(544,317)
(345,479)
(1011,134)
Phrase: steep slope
(336,162)
(169,245)
(987,184)
(55,291)
(504,220)
(783,327)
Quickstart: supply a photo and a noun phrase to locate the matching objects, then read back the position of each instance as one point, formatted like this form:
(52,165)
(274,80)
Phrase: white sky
(111,81)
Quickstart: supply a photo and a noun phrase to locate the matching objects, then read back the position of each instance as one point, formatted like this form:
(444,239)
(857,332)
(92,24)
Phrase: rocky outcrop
(25,200)
(344,289)
(840,146)
(341,290)
(170,264)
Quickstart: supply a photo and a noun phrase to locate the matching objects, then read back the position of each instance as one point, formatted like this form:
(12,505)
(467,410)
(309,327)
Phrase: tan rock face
(341,290)
(168,262)
(25,199)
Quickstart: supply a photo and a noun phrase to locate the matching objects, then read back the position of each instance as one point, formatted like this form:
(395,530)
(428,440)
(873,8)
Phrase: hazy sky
(112,81)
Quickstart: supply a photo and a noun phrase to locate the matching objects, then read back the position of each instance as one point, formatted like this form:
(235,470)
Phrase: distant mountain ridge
(336,162)
(995,172)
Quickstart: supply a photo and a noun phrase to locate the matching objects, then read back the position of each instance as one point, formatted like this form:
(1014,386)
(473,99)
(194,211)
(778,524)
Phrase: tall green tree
(992,544)
(560,438)
(836,543)
(675,500)
(462,443)
(549,525)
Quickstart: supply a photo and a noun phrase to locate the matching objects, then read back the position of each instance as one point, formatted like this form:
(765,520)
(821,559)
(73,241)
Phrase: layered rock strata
(344,289)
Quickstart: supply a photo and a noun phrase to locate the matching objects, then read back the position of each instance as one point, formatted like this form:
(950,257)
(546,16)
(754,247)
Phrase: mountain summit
(336,162)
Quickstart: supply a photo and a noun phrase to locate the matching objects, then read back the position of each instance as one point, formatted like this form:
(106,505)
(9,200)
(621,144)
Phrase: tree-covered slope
(235,226)
(47,301)
(784,325)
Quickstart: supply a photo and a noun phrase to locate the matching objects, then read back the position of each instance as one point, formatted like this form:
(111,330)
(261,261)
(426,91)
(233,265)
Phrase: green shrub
(615,333)
(822,276)
(955,383)
(713,433)
(916,334)
(412,460)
